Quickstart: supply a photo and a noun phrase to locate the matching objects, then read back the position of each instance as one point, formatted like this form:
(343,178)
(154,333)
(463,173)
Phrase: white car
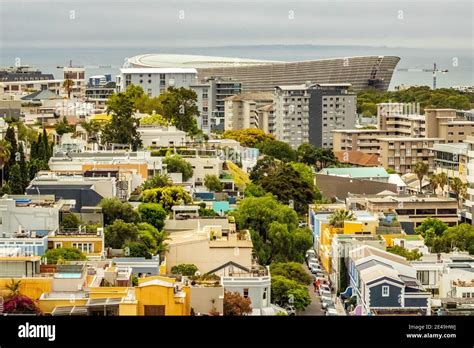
(331,311)
(290,310)
(310,253)
(324,287)
(324,293)
(326,302)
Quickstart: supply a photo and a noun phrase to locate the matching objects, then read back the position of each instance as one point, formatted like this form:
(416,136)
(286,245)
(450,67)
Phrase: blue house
(383,282)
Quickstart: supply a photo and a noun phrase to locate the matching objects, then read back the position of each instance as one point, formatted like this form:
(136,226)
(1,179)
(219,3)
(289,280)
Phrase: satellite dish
(197,273)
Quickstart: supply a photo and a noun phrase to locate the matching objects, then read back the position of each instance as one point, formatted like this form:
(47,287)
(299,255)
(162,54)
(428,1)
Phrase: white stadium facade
(263,75)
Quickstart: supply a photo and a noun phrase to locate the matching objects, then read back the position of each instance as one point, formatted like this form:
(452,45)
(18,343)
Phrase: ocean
(460,64)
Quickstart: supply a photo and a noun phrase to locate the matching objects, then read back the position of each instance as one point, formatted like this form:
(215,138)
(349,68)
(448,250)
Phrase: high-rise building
(244,110)
(308,113)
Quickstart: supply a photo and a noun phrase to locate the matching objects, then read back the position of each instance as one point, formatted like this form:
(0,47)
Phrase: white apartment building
(155,81)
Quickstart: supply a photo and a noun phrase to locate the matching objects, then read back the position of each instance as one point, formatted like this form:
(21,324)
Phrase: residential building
(155,81)
(155,136)
(24,79)
(331,106)
(264,75)
(254,284)
(401,154)
(452,160)
(209,248)
(35,214)
(90,242)
(384,283)
(410,210)
(12,267)
(77,74)
(98,96)
(87,190)
(243,110)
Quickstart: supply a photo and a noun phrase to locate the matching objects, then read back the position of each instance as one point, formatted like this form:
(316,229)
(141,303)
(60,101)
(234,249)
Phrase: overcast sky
(193,23)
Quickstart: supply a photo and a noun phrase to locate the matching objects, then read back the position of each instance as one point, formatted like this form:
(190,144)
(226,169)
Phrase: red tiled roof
(358,158)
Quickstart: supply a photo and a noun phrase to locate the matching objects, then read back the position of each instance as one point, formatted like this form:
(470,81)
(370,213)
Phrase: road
(315,307)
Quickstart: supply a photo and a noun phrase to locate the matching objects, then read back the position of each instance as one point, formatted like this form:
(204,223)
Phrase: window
(423,277)
(87,248)
(246,293)
(264,294)
(58,245)
(385,291)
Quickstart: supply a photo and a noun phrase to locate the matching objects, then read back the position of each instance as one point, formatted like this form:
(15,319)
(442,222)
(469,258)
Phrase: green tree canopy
(185,269)
(248,137)
(157,180)
(213,183)
(68,254)
(114,209)
(71,221)
(277,149)
(286,291)
(167,196)
(176,164)
(119,233)
(152,213)
(412,255)
(291,270)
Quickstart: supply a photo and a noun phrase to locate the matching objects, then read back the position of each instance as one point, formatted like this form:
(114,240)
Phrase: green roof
(357,172)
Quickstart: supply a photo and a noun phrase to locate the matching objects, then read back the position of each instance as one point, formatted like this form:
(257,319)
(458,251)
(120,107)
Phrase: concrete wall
(335,186)
(207,299)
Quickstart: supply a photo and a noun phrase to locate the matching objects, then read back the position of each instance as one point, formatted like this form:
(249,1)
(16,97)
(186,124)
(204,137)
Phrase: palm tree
(5,152)
(420,169)
(68,84)
(339,216)
(14,288)
(91,129)
(434,182)
(458,187)
(442,181)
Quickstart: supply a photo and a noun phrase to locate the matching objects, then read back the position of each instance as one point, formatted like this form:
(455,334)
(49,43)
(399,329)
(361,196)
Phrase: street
(315,307)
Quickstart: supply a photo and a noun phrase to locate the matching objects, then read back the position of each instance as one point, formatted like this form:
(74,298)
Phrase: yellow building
(90,243)
(364,223)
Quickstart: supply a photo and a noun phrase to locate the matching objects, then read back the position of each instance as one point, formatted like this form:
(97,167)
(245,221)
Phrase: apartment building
(220,89)
(155,81)
(364,140)
(77,74)
(410,210)
(469,199)
(401,154)
(331,106)
(24,79)
(244,110)
(451,159)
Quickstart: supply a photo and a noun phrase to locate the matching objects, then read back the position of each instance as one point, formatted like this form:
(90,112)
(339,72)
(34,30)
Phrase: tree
(119,233)
(20,304)
(212,183)
(68,254)
(264,167)
(435,225)
(185,269)
(71,221)
(154,120)
(305,172)
(15,180)
(277,149)
(153,239)
(35,165)
(68,85)
(458,187)
(114,209)
(138,249)
(420,169)
(442,180)
(122,129)
(286,291)
(434,183)
(11,139)
(236,305)
(175,164)
(254,190)
(167,196)
(25,178)
(152,213)
(291,270)
(157,180)
(179,107)
(91,129)
(14,287)
(5,151)
(248,137)
(412,255)
(337,218)
(287,184)
(64,127)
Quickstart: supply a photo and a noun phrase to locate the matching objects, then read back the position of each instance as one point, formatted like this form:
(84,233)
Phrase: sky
(207,23)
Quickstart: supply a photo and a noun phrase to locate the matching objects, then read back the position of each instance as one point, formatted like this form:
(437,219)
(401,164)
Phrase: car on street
(290,310)
(310,253)
(324,293)
(331,311)
(326,302)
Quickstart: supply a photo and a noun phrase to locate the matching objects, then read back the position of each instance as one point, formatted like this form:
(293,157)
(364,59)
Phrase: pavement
(315,307)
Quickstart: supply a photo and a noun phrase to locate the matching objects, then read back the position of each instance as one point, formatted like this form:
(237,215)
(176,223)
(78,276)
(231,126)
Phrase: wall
(335,186)
(377,300)
(31,287)
(202,297)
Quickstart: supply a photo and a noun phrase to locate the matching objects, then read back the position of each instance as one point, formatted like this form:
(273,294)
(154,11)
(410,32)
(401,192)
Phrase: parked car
(326,302)
(330,311)
(312,259)
(325,288)
(314,268)
(310,253)
(324,293)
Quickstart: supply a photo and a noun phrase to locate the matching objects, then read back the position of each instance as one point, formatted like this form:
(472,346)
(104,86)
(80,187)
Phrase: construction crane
(433,71)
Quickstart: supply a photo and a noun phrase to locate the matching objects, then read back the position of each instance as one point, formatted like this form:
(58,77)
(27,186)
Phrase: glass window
(385,291)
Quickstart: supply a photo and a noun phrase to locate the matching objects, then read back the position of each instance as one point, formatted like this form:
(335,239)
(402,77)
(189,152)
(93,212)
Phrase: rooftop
(158,71)
(357,172)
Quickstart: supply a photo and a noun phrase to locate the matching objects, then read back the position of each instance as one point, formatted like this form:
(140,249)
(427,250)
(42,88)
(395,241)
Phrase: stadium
(263,75)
